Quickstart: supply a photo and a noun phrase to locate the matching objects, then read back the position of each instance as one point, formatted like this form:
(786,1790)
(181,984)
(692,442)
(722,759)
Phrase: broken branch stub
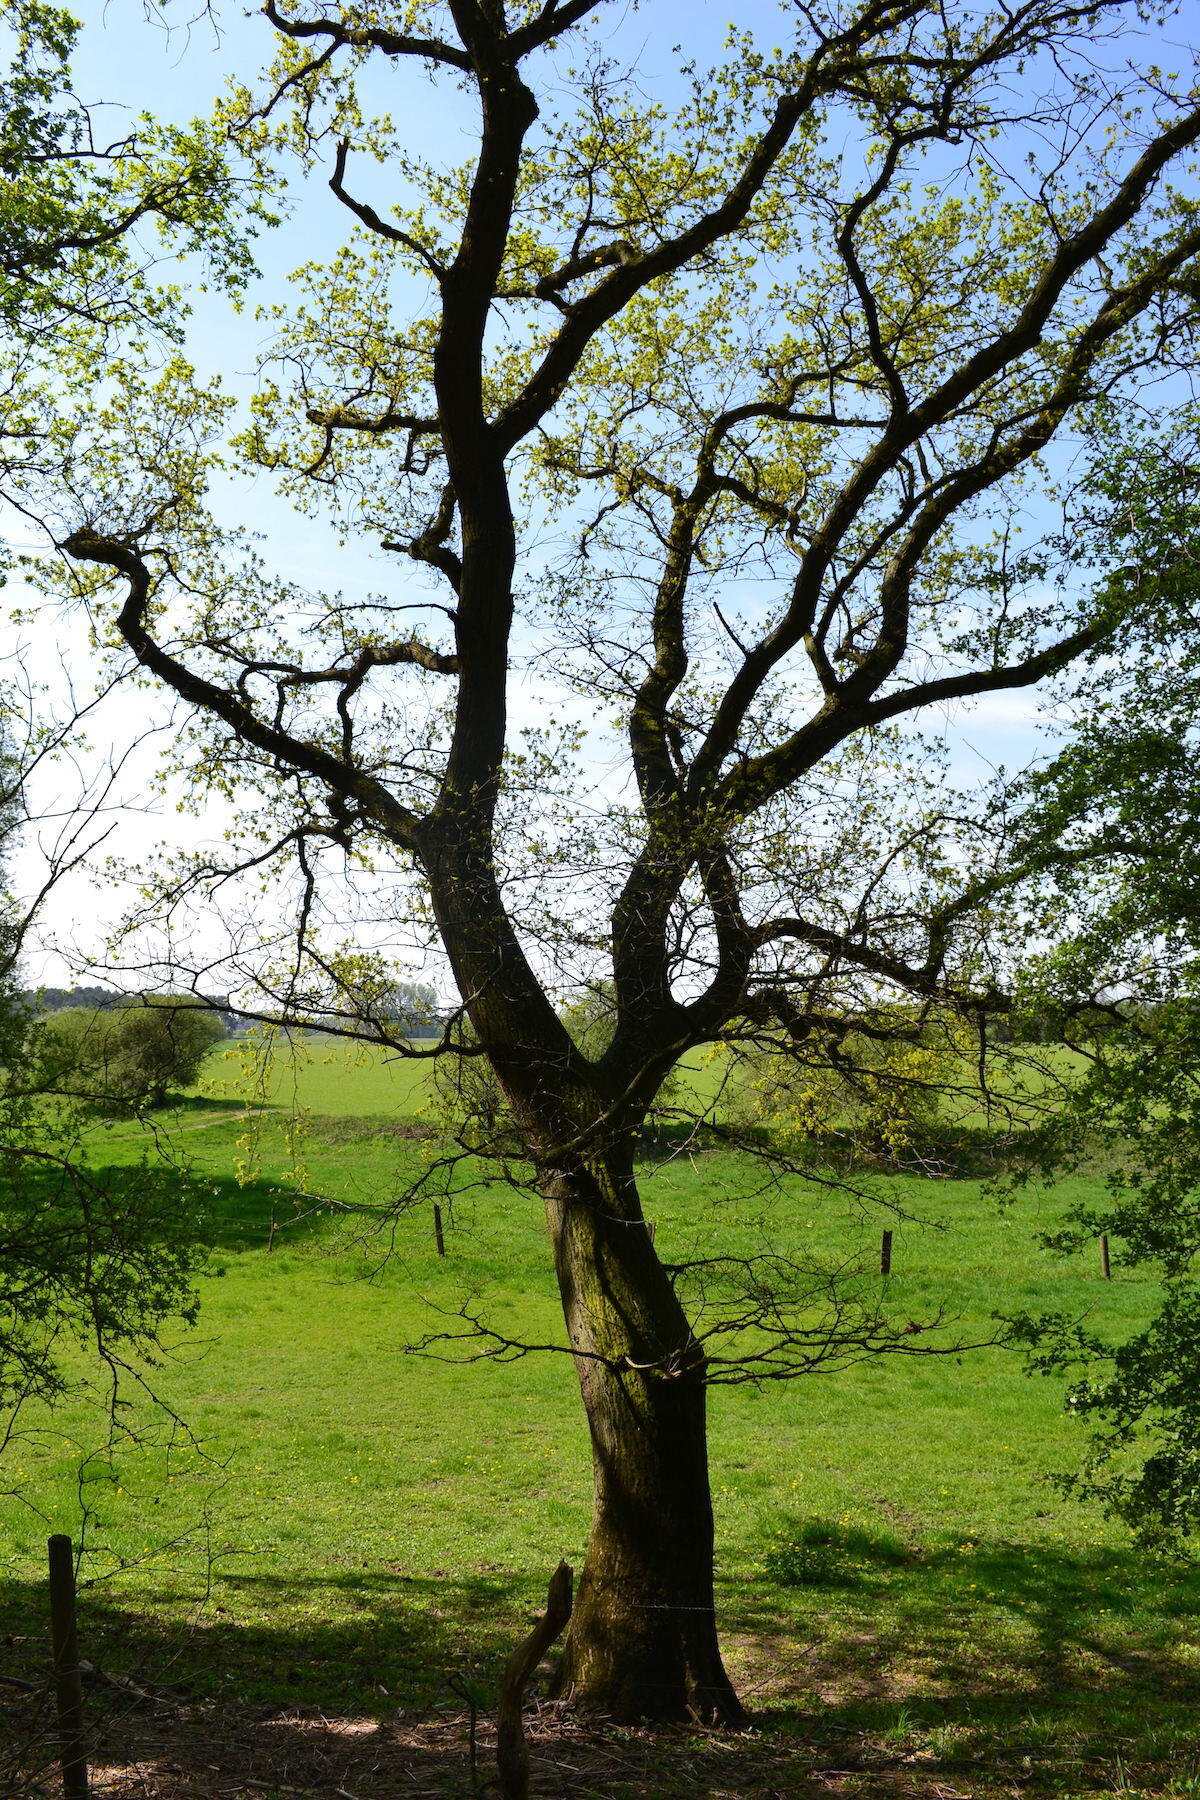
(512,1752)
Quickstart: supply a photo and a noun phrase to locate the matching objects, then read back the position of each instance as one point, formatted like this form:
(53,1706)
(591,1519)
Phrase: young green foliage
(132,1054)
(1115,819)
(714,413)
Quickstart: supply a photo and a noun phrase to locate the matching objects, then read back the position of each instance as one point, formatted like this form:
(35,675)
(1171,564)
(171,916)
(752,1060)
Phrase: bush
(886,1088)
(131,1055)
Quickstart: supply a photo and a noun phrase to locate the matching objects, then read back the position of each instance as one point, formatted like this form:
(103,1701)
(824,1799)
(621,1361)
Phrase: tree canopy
(725,418)
(1115,817)
(131,1054)
(102,1255)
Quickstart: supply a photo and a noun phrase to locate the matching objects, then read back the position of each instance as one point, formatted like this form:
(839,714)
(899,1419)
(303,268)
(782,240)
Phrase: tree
(71,201)
(1116,820)
(83,222)
(882,1086)
(726,414)
(105,1255)
(133,1053)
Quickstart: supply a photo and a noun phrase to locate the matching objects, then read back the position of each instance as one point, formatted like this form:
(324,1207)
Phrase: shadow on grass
(199,1106)
(978,1652)
(262,1214)
(204,1136)
(371,1704)
(255,1215)
(350,1642)
(1003,1666)
(298,1697)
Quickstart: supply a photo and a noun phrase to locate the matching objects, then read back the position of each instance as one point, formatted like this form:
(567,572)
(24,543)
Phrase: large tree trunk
(643,1639)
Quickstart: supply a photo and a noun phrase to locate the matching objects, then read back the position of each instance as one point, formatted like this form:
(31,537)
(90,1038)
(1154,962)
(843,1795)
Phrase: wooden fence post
(885,1254)
(1105,1267)
(437,1229)
(64,1637)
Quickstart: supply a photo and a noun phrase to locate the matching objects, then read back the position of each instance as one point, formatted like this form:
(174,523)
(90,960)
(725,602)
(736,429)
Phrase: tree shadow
(243,1214)
(189,1106)
(375,1705)
(379,1702)
(969,1652)
(348,1641)
(359,1680)
(191,1706)
(261,1214)
(256,1214)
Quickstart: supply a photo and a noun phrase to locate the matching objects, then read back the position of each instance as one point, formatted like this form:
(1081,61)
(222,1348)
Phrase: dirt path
(238,1112)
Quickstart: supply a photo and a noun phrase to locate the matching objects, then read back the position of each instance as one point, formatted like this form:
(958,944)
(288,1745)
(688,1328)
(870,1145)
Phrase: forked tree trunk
(643,1639)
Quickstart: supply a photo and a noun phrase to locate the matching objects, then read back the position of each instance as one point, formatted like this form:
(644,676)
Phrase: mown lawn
(362,1527)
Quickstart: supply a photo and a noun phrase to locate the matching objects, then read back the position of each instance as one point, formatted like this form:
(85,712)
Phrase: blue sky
(132,62)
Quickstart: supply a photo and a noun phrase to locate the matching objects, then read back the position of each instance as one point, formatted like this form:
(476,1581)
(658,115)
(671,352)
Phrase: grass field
(365,1528)
(325,1076)
(321,1074)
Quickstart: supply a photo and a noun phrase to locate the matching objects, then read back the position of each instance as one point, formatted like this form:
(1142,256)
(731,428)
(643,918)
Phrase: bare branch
(371,795)
(380,226)
(365,37)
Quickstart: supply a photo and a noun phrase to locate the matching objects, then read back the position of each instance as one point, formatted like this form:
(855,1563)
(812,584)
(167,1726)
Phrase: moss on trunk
(643,1639)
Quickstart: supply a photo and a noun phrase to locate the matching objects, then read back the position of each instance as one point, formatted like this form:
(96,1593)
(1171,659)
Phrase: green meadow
(333,1520)
(314,1073)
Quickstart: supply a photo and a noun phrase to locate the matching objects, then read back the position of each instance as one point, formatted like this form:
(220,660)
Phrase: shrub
(131,1054)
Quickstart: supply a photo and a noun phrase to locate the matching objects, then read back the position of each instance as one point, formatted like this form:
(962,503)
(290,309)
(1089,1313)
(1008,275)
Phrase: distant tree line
(395,1009)
(408,1008)
(43,1000)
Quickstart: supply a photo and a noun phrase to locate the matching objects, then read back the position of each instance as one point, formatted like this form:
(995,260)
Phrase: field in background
(327,1076)
(367,1528)
(314,1073)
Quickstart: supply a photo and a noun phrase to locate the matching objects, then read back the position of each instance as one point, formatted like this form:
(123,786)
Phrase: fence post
(1105,1268)
(885,1254)
(437,1229)
(64,1637)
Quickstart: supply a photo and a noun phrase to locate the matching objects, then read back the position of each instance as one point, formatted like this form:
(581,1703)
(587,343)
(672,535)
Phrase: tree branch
(594,310)
(391,43)
(370,794)
(380,226)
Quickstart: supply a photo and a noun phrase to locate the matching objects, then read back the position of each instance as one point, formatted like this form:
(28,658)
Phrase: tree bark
(643,1639)
(642,1643)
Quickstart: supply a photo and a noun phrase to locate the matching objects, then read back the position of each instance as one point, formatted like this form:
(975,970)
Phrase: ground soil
(159,1747)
